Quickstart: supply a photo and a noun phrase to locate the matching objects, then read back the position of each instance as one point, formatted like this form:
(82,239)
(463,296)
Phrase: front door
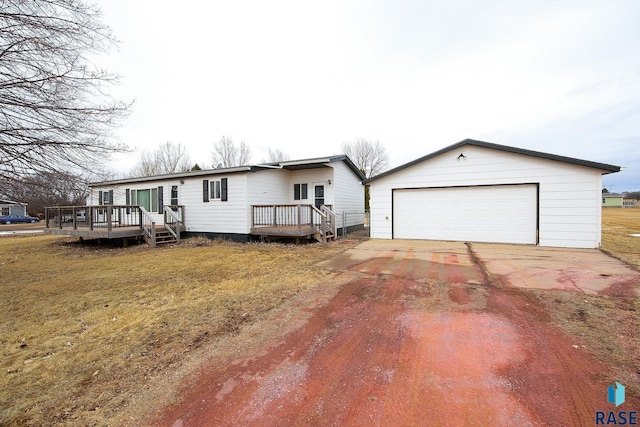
(319,195)
(144,199)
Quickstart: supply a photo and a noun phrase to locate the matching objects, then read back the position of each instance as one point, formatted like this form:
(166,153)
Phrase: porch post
(253,216)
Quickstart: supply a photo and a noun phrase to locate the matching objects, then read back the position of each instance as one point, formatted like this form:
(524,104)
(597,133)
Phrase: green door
(144,199)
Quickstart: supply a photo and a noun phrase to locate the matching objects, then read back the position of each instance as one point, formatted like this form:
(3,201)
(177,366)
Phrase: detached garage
(483,192)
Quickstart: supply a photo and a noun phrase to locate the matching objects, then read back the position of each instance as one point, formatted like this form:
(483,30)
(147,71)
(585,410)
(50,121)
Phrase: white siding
(345,193)
(570,195)
(216,216)
(349,195)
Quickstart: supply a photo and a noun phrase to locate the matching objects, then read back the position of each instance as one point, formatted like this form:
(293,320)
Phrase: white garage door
(501,214)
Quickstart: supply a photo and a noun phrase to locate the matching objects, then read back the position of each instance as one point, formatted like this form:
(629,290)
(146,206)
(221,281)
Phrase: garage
(476,191)
(500,213)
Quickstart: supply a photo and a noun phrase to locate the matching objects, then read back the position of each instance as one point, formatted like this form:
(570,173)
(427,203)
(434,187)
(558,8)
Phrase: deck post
(60,219)
(108,218)
(253,216)
(275,216)
(299,217)
(153,234)
(91,218)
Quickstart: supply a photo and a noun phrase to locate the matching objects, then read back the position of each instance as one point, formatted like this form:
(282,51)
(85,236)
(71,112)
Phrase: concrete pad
(417,259)
(588,271)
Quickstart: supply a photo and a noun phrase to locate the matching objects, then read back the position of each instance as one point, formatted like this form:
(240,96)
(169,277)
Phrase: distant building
(612,200)
(9,207)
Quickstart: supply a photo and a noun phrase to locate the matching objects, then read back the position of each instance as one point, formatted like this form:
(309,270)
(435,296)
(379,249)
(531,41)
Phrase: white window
(215,188)
(300,191)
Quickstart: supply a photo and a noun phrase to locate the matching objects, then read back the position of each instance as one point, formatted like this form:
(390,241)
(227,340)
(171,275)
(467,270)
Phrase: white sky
(303,77)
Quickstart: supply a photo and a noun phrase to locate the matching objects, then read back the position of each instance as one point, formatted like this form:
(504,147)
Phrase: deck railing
(92,217)
(322,219)
(285,215)
(173,219)
(148,226)
(83,220)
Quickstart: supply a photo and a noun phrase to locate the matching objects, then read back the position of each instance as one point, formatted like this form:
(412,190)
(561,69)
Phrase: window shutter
(100,197)
(160,199)
(111,197)
(205,190)
(127,199)
(296,191)
(223,193)
(304,191)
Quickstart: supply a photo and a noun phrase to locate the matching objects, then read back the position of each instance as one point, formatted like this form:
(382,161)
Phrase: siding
(349,195)
(120,196)
(216,216)
(570,195)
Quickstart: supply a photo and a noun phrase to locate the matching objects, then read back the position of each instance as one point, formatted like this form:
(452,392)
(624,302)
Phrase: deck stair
(164,236)
(124,222)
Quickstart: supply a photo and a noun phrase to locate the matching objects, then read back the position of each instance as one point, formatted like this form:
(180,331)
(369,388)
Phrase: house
(612,200)
(483,192)
(9,207)
(297,198)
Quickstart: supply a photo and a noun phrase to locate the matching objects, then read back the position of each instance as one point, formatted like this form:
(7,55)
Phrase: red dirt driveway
(416,337)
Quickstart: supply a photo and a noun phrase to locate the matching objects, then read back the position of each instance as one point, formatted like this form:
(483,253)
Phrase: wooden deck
(114,222)
(284,231)
(97,232)
(296,221)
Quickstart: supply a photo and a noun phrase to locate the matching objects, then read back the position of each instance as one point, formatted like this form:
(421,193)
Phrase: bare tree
(227,154)
(276,155)
(167,158)
(47,189)
(55,114)
(370,157)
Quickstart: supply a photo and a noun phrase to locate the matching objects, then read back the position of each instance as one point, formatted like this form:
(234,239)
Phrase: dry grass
(617,225)
(606,326)
(84,329)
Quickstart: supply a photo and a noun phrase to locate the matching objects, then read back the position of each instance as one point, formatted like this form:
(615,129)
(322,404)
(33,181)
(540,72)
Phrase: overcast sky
(303,77)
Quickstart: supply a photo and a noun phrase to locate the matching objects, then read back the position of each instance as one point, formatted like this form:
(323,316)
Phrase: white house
(9,207)
(240,202)
(483,192)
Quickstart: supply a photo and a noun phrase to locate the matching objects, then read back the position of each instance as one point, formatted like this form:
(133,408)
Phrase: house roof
(312,163)
(11,202)
(602,166)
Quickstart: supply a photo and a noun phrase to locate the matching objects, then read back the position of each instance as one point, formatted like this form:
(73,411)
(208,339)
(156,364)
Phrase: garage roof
(602,166)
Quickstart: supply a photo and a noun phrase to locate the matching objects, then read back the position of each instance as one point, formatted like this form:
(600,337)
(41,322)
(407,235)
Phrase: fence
(354,224)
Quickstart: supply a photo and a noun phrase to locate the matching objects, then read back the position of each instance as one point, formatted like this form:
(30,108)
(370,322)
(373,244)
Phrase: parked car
(15,219)
(81,216)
